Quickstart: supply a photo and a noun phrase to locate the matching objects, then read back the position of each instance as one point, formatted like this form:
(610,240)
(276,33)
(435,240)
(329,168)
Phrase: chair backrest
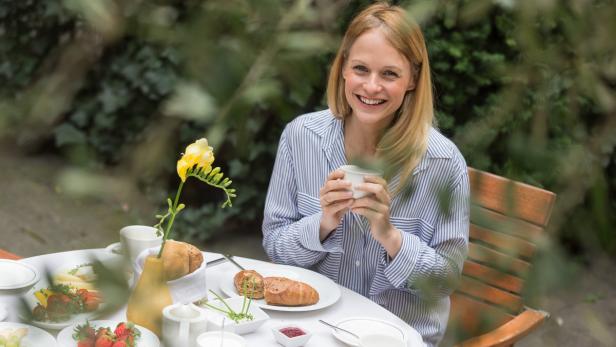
(507,219)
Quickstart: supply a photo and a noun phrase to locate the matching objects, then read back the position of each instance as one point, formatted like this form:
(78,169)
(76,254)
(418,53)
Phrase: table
(350,304)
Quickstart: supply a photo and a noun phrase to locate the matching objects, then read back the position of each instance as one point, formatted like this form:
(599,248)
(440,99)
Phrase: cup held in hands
(355,175)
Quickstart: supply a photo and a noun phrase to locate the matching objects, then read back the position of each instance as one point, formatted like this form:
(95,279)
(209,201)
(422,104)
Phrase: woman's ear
(411,85)
(414,77)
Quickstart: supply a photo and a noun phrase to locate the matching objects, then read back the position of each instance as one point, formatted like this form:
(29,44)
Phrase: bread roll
(195,258)
(175,260)
(249,281)
(180,259)
(285,292)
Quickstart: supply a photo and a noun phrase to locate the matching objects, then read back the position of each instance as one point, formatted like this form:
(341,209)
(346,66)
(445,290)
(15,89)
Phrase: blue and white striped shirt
(416,284)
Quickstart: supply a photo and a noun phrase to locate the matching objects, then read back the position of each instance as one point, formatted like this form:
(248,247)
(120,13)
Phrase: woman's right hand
(336,198)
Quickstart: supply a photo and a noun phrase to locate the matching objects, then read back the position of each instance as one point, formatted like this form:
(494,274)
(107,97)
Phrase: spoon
(338,328)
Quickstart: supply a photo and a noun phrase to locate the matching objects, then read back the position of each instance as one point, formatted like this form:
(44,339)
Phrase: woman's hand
(336,198)
(375,207)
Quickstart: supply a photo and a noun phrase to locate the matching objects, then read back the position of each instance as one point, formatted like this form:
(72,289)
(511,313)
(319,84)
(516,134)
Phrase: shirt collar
(331,131)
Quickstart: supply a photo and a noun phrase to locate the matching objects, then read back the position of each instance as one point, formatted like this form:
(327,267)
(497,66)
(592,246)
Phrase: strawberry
(84,332)
(102,331)
(129,339)
(120,343)
(121,330)
(83,293)
(91,302)
(104,340)
(85,343)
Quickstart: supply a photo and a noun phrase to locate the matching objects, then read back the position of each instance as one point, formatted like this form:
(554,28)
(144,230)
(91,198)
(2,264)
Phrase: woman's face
(376,77)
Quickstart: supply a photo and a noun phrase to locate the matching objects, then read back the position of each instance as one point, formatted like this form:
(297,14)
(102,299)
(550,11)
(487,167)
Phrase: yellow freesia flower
(195,162)
(198,153)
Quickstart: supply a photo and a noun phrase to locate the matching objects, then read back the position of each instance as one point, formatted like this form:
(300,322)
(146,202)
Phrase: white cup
(355,175)
(381,340)
(136,238)
(182,324)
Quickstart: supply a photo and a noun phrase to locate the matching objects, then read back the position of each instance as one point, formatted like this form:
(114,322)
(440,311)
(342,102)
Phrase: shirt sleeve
(432,270)
(288,236)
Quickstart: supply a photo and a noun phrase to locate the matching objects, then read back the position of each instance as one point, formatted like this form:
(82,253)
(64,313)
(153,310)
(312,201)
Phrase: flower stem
(173,213)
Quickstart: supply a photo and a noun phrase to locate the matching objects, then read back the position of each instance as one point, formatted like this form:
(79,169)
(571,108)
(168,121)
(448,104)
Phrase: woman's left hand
(375,207)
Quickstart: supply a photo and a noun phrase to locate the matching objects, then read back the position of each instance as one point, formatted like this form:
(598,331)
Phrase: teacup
(355,175)
(381,340)
(182,324)
(136,238)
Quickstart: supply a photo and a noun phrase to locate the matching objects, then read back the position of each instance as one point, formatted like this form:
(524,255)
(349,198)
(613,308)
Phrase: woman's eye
(360,68)
(390,73)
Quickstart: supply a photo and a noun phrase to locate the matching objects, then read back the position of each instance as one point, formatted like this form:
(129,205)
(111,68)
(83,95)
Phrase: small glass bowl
(295,341)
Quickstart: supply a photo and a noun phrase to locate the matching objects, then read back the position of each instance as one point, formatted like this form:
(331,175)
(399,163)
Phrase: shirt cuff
(398,271)
(309,236)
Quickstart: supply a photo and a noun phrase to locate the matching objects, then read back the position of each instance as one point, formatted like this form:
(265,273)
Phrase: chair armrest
(8,255)
(510,332)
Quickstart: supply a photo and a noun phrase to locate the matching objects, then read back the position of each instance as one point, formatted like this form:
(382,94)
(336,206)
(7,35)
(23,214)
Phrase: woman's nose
(372,84)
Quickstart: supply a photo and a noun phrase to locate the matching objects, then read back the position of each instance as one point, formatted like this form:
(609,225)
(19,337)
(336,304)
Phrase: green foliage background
(525,89)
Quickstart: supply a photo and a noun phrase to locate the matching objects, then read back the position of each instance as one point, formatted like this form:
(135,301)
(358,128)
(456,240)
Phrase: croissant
(285,292)
(250,283)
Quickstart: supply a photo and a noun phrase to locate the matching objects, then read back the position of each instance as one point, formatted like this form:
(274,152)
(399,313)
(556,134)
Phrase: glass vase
(150,296)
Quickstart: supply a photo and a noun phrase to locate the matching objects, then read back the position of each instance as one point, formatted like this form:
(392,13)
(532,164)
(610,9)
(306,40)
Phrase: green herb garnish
(234,316)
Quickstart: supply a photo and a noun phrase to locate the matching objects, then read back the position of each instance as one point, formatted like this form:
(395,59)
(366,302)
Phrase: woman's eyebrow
(393,67)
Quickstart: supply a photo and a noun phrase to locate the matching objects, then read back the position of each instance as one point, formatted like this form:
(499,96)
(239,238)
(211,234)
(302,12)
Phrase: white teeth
(371,101)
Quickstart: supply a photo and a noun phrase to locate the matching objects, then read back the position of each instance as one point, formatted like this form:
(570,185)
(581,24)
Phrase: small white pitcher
(182,323)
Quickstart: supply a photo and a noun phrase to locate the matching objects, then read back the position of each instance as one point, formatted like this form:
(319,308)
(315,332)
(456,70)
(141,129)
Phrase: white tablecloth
(350,303)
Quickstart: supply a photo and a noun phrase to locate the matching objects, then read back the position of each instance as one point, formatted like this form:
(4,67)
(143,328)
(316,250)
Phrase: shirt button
(357,263)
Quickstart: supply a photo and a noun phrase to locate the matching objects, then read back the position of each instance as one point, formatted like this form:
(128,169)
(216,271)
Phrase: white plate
(16,275)
(36,337)
(147,339)
(362,326)
(328,290)
(49,325)
(31,300)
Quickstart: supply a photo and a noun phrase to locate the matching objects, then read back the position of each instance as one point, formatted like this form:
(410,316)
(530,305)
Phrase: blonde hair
(404,143)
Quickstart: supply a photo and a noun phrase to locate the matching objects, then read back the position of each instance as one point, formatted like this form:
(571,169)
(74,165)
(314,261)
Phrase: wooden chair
(508,218)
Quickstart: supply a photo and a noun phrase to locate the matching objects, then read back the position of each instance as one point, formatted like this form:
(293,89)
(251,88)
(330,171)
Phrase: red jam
(292,332)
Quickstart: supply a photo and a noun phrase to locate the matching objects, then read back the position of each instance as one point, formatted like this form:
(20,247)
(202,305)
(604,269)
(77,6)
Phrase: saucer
(16,277)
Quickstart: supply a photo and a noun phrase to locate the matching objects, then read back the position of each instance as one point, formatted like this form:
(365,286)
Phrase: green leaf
(67,134)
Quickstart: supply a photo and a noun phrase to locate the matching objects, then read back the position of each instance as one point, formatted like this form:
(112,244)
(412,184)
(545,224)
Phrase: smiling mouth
(370,102)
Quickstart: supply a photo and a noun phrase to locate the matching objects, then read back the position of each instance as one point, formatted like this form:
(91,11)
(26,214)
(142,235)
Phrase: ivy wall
(525,89)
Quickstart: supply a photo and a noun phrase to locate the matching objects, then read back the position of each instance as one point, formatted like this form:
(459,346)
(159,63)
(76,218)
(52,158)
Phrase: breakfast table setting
(337,306)
(149,290)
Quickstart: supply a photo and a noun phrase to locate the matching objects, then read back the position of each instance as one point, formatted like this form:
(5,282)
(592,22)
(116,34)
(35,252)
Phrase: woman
(403,245)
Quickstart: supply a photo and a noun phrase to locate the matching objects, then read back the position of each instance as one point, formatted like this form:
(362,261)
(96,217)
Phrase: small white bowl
(243,327)
(16,277)
(286,341)
(213,338)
